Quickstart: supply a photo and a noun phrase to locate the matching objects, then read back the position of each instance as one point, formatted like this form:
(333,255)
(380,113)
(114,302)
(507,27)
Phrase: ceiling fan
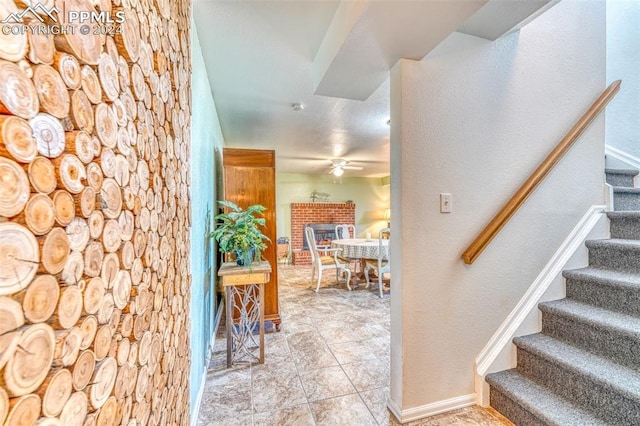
(339,165)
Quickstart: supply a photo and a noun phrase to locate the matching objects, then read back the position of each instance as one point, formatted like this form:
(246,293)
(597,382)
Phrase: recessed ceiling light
(297,107)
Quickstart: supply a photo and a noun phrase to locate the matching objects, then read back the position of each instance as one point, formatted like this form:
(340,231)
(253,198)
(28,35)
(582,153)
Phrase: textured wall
(623,63)
(95,215)
(474,119)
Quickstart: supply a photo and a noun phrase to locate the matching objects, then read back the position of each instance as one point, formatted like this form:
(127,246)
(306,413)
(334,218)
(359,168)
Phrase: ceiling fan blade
(352,167)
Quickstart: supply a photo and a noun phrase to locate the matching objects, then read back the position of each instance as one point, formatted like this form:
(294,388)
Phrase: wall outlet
(446,203)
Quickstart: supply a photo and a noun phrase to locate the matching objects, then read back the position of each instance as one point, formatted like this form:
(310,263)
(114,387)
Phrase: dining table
(360,250)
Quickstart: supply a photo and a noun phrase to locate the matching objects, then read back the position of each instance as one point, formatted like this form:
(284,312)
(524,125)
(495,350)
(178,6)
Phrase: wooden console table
(244,293)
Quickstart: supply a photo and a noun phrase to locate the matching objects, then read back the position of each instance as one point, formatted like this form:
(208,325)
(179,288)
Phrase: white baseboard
(486,360)
(431,409)
(216,324)
(622,156)
(196,407)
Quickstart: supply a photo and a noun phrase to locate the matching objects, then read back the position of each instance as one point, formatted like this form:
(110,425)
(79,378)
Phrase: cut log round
(96,224)
(78,234)
(64,206)
(11,316)
(42,175)
(83,369)
(145,348)
(80,144)
(86,47)
(120,111)
(111,199)
(106,125)
(138,84)
(41,298)
(30,363)
(89,328)
(106,310)
(24,411)
(102,342)
(73,269)
(122,170)
(108,413)
(94,177)
(126,325)
(81,111)
(55,251)
(17,139)
(111,236)
(49,135)
(108,73)
(41,47)
(91,84)
(71,173)
(52,92)
(93,255)
(86,202)
(103,380)
(141,384)
(110,268)
(128,41)
(39,214)
(122,289)
(93,294)
(126,222)
(136,271)
(19,255)
(69,307)
(14,191)
(123,352)
(68,346)
(69,69)
(75,410)
(18,96)
(108,162)
(57,392)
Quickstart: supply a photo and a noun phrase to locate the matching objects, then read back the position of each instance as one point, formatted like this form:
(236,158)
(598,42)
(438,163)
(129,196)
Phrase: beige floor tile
(325,383)
(346,410)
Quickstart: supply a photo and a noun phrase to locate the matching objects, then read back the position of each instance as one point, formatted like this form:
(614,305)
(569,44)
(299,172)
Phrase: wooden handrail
(509,209)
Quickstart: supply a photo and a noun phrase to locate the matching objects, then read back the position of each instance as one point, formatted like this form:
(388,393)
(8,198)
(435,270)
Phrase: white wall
(474,119)
(623,63)
(369,194)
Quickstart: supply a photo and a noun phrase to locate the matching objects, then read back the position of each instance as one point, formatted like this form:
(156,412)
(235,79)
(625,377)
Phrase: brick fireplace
(311,213)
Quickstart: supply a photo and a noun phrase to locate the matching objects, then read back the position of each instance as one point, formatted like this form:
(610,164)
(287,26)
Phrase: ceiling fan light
(338,171)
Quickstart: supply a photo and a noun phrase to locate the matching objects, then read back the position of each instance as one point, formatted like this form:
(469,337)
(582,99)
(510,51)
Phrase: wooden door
(250,178)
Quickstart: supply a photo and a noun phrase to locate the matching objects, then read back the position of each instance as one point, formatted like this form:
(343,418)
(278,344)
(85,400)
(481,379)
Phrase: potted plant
(238,231)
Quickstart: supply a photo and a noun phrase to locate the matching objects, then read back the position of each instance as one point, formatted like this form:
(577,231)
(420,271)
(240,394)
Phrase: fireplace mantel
(320,212)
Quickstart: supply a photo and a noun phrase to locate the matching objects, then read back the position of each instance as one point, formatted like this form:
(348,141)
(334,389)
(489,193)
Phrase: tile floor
(329,364)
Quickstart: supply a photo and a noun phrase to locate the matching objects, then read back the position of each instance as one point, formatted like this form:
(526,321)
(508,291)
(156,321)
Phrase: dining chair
(320,262)
(345,231)
(382,265)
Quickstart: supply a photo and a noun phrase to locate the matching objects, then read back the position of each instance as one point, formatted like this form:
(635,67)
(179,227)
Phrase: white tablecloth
(360,248)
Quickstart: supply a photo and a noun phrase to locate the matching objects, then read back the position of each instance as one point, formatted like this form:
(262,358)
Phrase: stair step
(620,177)
(608,289)
(597,384)
(525,402)
(625,198)
(599,331)
(625,224)
(618,254)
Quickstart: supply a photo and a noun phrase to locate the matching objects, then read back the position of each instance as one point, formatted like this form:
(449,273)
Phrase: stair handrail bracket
(529,186)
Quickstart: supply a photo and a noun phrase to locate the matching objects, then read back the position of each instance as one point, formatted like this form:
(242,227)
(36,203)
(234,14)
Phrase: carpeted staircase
(584,367)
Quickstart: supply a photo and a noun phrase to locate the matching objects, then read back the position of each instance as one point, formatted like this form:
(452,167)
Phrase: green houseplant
(238,231)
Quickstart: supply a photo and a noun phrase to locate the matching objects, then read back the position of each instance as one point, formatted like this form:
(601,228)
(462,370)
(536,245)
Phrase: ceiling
(264,56)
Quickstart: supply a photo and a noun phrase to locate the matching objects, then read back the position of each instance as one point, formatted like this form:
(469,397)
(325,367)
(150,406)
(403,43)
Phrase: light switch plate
(445,203)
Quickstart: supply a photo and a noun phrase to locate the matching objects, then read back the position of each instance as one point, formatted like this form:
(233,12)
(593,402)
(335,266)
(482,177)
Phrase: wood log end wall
(94,213)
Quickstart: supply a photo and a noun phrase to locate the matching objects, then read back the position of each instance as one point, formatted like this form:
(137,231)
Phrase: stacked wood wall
(94,216)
